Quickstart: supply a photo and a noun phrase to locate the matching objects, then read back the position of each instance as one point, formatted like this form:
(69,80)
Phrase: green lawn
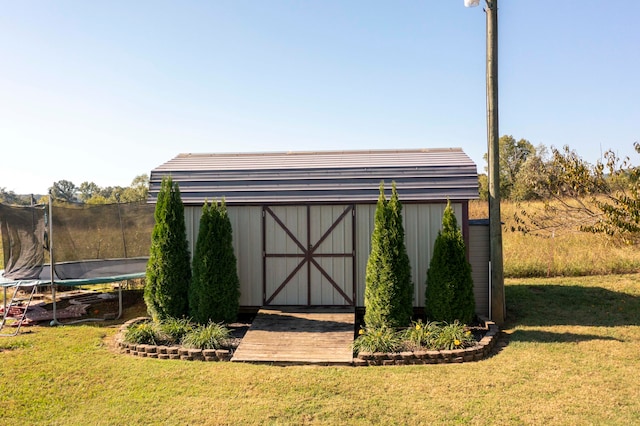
(573,358)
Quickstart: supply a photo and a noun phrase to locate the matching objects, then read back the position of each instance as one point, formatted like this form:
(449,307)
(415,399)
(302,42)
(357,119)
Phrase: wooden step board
(299,335)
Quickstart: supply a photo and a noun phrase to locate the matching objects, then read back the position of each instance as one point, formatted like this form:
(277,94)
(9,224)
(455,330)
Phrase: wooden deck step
(299,335)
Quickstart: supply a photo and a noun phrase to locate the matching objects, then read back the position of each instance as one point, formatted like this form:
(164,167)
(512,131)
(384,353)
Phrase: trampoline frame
(54,282)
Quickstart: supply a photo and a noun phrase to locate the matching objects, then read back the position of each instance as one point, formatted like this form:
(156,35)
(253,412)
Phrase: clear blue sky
(105,91)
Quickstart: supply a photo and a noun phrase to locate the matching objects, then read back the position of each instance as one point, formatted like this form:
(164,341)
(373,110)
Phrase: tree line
(529,172)
(600,198)
(87,192)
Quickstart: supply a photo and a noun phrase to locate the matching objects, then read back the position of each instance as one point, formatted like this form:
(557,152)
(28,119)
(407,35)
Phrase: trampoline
(72,245)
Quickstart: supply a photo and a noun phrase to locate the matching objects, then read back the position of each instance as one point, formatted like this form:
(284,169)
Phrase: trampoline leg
(119,300)
(54,322)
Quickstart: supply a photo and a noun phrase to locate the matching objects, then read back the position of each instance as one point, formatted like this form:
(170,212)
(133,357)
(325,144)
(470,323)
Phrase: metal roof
(320,177)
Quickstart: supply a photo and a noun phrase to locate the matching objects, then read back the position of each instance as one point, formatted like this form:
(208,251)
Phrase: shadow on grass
(549,337)
(548,305)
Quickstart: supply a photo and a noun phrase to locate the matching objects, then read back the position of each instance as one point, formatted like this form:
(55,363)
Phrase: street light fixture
(498,309)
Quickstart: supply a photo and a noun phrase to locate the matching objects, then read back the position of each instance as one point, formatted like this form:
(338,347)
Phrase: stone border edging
(474,353)
(167,352)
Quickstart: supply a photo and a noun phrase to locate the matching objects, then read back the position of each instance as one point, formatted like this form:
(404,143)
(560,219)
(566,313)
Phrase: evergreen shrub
(168,274)
(389,291)
(215,291)
(449,293)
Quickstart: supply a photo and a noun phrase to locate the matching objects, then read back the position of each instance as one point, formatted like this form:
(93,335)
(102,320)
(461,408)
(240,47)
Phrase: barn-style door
(308,255)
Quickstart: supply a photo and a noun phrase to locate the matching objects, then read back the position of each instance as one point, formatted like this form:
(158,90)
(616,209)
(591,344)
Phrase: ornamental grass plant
(172,331)
(420,336)
(210,336)
(144,333)
(175,329)
(453,336)
(380,339)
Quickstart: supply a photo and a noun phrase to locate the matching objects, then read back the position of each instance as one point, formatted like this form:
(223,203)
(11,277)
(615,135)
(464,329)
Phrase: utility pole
(498,309)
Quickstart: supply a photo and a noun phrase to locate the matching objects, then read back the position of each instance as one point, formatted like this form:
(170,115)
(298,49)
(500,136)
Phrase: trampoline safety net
(88,240)
(23,233)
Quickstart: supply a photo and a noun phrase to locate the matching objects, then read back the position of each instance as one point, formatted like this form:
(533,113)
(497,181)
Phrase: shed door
(308,255)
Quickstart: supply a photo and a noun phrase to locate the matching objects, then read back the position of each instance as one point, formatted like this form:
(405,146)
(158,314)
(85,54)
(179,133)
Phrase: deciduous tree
(9,197)
(513,155)
(63,190)
(88,190)
(604,198)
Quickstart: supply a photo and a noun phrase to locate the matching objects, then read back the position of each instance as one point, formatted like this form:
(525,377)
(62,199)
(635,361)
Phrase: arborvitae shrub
(215,292)
(449,293)
(389,290)
(168,274)
(228,282)
(200,290)
(402,308)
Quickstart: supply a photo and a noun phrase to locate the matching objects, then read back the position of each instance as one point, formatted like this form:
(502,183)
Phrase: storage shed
(302,221)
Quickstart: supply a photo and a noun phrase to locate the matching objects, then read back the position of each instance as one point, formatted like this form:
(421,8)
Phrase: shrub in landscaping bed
(381,339)
(168,273)
(210,336)
(178,332)
(215,290)
(388,296)
(420,336)
(449,293)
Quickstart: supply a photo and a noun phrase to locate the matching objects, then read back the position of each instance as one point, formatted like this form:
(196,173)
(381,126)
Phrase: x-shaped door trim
(308,254)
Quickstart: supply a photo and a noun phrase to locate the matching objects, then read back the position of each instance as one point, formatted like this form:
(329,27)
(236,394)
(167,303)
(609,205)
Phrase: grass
(564,252)
(559,251)
(572,359)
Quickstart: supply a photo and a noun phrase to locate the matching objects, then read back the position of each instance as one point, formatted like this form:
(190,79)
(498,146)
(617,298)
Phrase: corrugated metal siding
(247,242)
(421,225)
(319,177)
(479,259)
(421,222)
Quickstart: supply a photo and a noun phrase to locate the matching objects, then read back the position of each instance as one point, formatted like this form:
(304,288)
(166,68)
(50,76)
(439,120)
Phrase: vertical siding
(421,222)
(365,217)
(246,223)
(247,241)
(192,216)
(277,241)
(340,269)
(421,225)
(479,259)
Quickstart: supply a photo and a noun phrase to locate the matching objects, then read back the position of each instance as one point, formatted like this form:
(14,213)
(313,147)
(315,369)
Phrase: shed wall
(479,259)
(421,222)
(246,222)
(421,225)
